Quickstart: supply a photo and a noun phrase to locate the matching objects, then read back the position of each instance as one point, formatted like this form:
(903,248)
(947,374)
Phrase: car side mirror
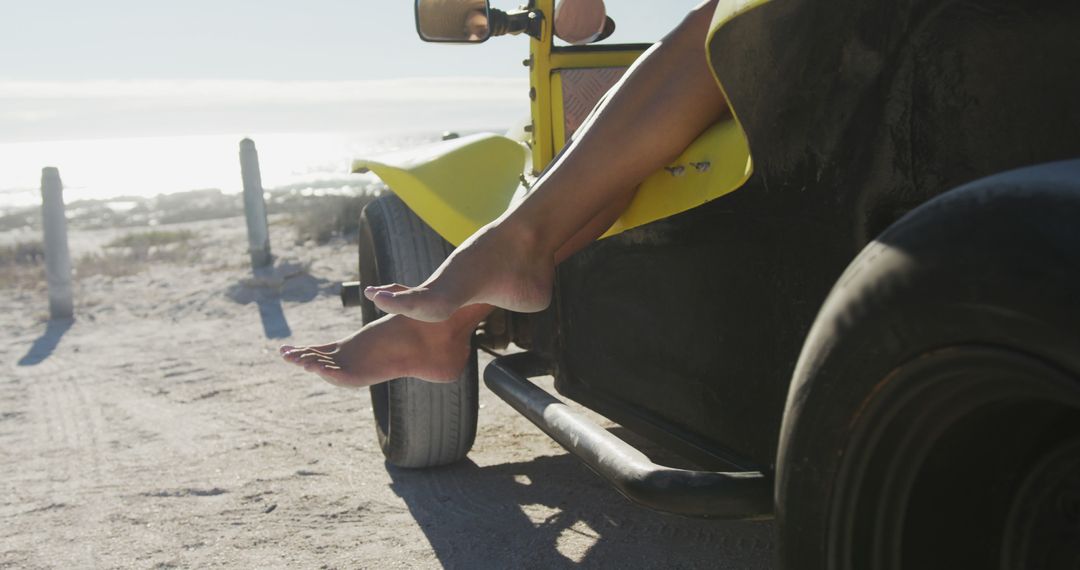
(455,21)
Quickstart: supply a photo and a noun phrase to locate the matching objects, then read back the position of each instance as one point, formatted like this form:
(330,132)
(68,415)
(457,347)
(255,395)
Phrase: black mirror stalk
(515,22)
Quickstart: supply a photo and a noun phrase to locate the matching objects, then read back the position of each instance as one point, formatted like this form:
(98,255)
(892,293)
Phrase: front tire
(934,417)
(418,423)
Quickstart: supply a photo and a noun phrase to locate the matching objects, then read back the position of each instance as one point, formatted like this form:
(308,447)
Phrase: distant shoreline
(176,208)
(138,169)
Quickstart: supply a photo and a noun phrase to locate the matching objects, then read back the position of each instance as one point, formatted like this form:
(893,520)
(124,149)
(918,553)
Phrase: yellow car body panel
(717,163)
(455,186)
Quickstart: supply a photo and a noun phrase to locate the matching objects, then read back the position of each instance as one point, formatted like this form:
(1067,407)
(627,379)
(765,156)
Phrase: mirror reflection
(453,20)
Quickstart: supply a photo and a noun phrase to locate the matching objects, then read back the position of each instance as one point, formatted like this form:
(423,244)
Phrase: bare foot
(497,266)
(391,347)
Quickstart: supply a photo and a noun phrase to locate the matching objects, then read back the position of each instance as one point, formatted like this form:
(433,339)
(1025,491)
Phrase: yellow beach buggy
(918,409)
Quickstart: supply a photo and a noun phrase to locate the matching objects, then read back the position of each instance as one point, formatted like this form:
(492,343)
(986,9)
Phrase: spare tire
(933,420)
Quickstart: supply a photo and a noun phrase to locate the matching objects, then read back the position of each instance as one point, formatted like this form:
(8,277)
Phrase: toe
(327,348)
(314,364)
(302,355)
(403,302)
(370,292)
(293,353)
(387,301)
(311,356)
(418,304)
(334,375)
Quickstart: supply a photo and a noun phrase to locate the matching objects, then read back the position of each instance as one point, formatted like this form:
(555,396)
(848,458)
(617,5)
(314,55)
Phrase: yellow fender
(455,186)
(459,185)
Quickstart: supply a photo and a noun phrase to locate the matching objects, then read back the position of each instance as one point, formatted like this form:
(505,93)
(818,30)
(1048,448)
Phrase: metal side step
(735,495)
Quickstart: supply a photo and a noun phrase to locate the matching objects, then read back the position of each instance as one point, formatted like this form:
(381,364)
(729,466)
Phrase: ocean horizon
(144,167)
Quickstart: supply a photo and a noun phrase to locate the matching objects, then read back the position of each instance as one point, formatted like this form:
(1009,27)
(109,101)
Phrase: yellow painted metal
(543,149)
(717,163)
(597,58)
(455,186)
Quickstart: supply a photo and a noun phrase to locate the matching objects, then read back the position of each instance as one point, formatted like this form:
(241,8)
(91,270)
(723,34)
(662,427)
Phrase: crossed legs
(666,99)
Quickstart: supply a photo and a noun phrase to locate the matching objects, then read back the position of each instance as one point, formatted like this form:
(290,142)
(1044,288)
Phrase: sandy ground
(160,430)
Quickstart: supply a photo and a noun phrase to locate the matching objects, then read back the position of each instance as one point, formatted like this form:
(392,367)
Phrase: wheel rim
(1043,527)
(938,456)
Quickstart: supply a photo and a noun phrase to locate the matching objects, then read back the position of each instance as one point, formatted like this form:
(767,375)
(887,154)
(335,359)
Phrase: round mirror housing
(453,21)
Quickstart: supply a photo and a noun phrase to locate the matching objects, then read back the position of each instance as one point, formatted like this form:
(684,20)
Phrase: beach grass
(330,217)
(22,265)
(22,253)
(314,219)
(130,253)
(154,238)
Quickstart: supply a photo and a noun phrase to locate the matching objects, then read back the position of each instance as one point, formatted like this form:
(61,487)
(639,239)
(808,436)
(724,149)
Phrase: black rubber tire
(938,382)
(418,423)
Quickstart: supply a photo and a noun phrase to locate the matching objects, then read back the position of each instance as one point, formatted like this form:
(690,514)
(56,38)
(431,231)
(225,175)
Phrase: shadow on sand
(267,287)
(273,318)
(45,344)
(551,512)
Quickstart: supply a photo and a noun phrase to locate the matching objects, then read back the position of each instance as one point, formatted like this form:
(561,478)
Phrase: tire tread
(429,424)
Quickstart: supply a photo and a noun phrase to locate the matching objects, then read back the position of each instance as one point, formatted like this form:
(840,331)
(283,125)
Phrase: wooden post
(57,255)
(254,205)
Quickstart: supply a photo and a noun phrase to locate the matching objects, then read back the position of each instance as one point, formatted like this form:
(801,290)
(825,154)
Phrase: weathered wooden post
(57,255)
(254,205)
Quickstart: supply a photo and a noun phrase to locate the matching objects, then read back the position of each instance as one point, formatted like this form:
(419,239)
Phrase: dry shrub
(22,265)
(329,217)
(153,246)
(21,218)
(22,253)
(109,264)
(154,238)
(129,254)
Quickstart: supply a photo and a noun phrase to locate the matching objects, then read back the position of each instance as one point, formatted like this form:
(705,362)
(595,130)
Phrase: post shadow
(285,282)
(268,299)
(45,344)
(267,289)
(269,286)
(475,517)
(273,318)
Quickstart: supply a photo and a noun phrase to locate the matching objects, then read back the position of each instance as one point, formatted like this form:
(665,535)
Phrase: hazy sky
(227,39)
(78,69)
(118,68)
(139,97)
